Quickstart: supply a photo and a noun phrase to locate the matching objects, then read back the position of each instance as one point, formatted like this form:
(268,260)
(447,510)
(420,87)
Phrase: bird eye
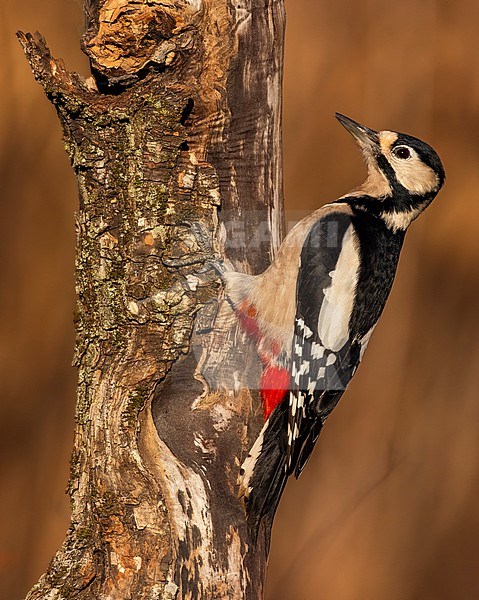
(402,152)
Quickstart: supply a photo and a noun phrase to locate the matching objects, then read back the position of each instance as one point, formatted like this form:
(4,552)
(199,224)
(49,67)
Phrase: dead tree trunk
(175,141)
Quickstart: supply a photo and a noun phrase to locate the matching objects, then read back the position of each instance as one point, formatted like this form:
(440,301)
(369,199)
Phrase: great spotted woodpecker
(314,309)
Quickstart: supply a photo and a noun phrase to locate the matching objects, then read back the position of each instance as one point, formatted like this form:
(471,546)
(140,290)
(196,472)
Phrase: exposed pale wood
(176,145)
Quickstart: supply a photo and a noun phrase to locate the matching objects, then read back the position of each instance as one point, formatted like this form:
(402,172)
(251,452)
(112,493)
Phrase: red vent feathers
(274,386)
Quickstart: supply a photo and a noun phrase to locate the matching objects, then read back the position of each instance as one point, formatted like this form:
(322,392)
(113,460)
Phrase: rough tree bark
(175,141)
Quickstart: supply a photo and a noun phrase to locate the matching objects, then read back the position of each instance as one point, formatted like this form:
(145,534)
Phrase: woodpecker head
(404,173)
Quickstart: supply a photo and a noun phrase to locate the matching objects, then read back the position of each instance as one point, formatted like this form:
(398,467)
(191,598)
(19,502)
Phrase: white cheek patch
(338,302)
(414,175)
(411,173)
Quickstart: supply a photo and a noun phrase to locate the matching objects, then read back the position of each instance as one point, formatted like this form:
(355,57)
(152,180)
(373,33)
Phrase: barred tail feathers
(263,474)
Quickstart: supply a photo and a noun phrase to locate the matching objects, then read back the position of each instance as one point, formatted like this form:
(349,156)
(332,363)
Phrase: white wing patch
(331,359)
(338,302)
(302,325)
(317,351)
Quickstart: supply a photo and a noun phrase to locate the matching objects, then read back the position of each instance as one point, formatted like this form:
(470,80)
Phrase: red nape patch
(274,385)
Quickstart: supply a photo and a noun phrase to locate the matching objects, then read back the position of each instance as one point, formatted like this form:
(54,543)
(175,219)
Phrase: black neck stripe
(388,171)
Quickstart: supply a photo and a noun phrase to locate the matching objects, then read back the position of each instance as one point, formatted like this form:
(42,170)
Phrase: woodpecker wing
(324,354)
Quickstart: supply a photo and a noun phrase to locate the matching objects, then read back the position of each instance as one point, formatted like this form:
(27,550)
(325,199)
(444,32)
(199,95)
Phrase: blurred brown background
(388,507)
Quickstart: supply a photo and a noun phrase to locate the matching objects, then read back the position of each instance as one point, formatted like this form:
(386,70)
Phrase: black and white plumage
(322,296)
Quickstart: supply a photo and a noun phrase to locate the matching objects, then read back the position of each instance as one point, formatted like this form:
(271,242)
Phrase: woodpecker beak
(367,139)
